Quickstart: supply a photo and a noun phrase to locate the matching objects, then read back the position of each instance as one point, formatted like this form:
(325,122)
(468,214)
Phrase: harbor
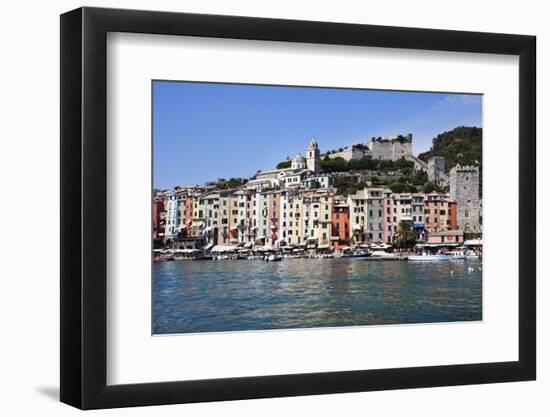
(197,297)
(374,252)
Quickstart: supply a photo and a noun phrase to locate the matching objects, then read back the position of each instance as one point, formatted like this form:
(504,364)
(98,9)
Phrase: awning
(473,242)
(324,246)
(440,245)
(187,250)
(224,248)
(248,245)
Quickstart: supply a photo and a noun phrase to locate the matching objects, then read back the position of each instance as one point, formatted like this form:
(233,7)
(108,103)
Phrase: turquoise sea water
(215,296)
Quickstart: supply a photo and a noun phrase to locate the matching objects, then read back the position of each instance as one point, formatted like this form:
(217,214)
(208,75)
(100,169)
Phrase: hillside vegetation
(462,145)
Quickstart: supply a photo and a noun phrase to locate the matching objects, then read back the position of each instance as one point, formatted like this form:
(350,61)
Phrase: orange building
(439,213)
(340,225)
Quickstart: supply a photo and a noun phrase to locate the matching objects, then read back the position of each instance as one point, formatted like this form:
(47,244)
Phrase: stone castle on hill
(386,148)
(390,148)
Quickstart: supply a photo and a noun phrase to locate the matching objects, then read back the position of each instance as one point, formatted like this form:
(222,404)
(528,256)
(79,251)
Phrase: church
(303,172)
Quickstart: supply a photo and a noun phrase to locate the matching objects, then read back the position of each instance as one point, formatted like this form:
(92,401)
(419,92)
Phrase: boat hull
(429,258)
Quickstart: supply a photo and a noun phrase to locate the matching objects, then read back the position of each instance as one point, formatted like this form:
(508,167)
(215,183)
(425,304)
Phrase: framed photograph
(259,208)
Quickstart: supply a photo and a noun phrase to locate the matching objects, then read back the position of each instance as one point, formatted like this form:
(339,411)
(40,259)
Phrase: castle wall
(390,148)
(348,154)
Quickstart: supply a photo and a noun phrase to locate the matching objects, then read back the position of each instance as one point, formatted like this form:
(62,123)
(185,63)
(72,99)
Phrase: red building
(158,218)
(340,225)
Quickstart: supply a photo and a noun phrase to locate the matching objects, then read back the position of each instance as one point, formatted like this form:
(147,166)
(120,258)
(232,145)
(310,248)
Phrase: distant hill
(462,145)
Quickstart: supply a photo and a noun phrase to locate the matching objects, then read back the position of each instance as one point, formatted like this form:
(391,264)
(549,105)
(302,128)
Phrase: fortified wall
(391,147)
(348,154)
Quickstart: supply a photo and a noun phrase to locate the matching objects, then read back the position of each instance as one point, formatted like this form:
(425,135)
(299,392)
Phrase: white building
(317,181)
(171,227)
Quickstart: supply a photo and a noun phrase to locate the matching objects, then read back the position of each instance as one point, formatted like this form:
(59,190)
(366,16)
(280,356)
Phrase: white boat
(384,255)
(274,258)
(429,258)
(456,255)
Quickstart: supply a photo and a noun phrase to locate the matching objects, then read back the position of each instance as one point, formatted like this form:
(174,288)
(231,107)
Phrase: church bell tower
(313,156)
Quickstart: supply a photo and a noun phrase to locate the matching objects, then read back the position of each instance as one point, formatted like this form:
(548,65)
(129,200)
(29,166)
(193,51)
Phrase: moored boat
(356,255)
(380,255)
(429,258)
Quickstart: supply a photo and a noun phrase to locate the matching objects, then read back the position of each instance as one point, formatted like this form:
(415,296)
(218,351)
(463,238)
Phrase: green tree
(284,164)
(405,236)
(431,187)
(462,145)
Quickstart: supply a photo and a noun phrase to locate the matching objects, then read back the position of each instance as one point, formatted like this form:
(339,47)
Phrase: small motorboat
(383,254)
(455,256)
(429,258)
(356,255)
(166,256)
(274,258)
(380,255)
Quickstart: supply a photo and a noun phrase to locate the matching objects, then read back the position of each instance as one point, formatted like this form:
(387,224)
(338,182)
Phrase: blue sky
(204,131)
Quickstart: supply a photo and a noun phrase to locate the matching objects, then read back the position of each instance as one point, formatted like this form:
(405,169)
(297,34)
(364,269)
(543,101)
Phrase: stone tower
(464,189)
(313,156)
(436,168)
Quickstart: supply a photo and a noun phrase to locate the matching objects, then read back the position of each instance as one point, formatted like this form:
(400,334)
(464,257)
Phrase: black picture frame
(84,207)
